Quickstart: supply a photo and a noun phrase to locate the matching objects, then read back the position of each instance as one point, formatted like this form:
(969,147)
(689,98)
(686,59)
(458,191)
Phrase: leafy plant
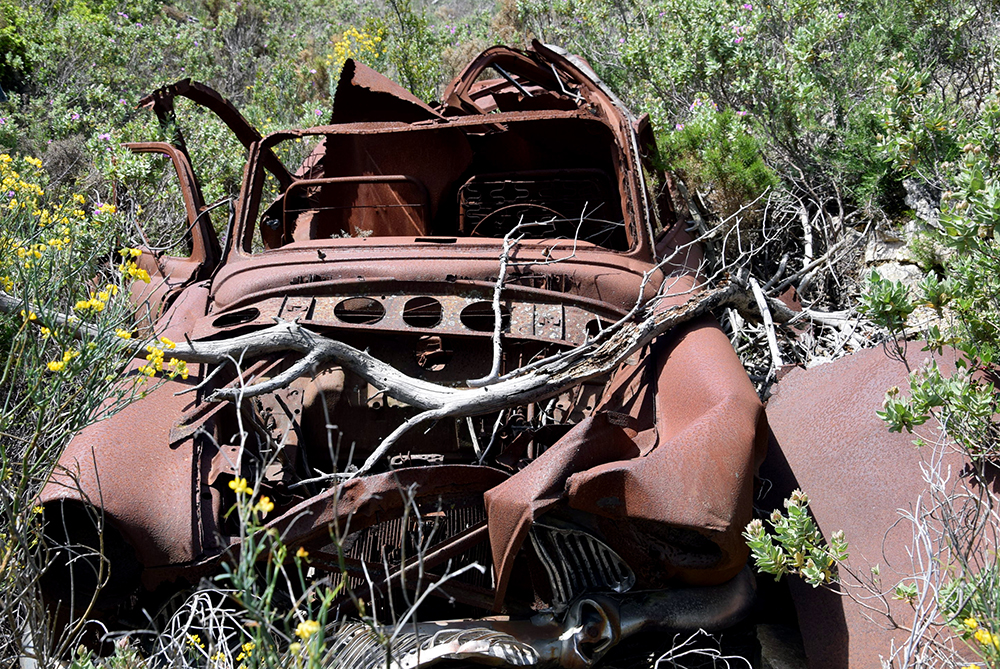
(886,302)
(794,544)
(58,374)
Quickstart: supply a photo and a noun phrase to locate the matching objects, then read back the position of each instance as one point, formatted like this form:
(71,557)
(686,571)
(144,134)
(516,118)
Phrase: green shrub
(715,149)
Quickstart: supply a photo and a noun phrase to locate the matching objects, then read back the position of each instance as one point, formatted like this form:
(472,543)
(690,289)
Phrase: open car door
(170,273)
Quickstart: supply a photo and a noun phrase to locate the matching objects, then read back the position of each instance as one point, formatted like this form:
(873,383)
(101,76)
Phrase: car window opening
(454,182)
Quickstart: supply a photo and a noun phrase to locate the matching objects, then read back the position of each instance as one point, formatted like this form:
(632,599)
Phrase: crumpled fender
(692,469)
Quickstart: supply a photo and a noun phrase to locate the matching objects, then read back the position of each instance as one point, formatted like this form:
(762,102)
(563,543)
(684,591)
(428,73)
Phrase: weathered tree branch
(11,305)
(538,381)
(436,401)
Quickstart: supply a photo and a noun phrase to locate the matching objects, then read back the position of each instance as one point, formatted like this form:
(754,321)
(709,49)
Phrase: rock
(925,201)
(907,274)
(885,248)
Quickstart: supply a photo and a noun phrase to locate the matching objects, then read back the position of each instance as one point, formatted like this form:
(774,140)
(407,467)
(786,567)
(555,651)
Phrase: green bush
(715,149)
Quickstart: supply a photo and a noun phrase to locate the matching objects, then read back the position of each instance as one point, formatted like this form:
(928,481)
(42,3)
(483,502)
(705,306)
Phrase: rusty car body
(608,509)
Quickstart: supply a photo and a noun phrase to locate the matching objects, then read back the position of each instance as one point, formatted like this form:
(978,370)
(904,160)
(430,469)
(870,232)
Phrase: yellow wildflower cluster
(30,253)
(23,194)
(155,360)
(981,634)
(987,638)
(354,43)
(239,486)
(306,629)
(98,300)
(59,243)
(129,268)
(246,651)
(194,640)
(60,365)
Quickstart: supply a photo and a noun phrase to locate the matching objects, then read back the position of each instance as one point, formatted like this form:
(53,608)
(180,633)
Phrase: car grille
(576,562)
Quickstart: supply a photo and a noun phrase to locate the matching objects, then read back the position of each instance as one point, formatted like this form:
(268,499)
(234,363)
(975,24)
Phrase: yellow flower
(984,637)
(194,640)
(131,270)
(69,354)
(95,304)
(264,506)
(178,368)
(307,629)
(246,651)
(124,334)
(239,485)
(46,332)
(56,366)
(167,343)
(294,648)
(302,553)
(79,199)
(971,623)
(155,359)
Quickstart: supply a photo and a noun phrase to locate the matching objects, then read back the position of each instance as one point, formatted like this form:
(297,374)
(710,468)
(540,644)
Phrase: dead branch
(435,401)
(508,245)
(12,305)
(506,261)
(772,340)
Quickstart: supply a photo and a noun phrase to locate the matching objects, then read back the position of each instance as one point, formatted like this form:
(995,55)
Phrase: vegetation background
(836,137)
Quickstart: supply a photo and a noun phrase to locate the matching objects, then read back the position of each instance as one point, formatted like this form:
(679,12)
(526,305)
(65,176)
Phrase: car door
(192,253)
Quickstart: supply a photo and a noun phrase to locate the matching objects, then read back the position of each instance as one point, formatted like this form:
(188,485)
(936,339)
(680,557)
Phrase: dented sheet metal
(866,481)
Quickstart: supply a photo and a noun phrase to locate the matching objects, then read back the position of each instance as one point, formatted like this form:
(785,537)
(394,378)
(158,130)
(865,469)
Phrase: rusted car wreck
(450,252)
